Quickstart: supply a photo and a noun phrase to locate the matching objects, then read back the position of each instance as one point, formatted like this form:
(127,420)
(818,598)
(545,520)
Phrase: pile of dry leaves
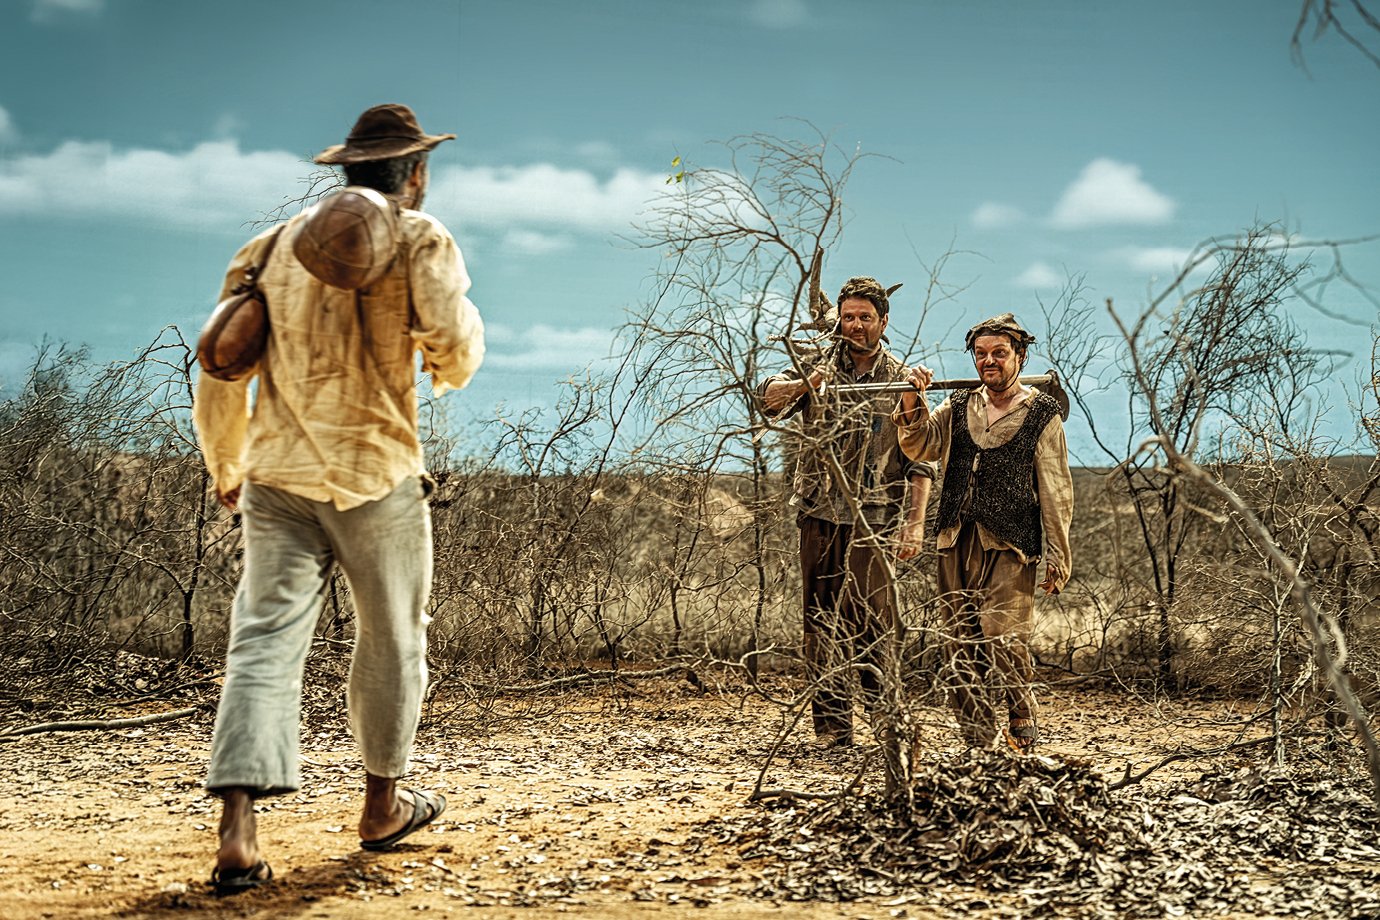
(1043,836)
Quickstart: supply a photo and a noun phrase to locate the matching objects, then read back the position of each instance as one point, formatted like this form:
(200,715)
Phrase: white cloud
(1157,259)
(535,243)
(542,194)
(8,132)
(213,183)
(217,183)
(543,346)
(1108,192)
(991,214)
(48,10)
(1039,275)
(779,14)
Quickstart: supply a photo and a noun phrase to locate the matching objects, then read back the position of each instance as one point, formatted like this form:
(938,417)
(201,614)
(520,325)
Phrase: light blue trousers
(290,543)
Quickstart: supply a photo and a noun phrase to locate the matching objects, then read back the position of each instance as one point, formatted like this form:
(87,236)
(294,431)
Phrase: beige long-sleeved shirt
(929,436)
(335,415)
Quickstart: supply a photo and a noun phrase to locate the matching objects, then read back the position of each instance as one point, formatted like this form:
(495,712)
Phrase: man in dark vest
(1006,503)
(858,500)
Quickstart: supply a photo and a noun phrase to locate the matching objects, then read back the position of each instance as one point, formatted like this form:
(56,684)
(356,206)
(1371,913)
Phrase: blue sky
(139,137)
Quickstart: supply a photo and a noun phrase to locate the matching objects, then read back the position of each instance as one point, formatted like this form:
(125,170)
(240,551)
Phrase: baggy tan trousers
(987,601)
(850,622)
(290,543)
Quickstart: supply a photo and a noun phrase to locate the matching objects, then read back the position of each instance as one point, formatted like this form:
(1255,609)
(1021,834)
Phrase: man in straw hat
(1006,502)
(858,500)
(326,468)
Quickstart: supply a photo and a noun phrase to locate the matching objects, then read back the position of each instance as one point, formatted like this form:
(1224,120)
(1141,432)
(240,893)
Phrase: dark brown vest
(1001,477)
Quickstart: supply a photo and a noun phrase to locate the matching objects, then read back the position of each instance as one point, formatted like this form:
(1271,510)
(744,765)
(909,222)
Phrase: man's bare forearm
(911,408)
(781,393)
(919,499)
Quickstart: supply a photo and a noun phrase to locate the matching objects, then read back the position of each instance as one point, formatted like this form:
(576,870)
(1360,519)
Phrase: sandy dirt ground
(584,804)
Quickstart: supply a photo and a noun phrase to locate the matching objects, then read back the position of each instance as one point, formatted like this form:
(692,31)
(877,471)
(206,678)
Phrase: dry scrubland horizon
(119,547)
(496,610)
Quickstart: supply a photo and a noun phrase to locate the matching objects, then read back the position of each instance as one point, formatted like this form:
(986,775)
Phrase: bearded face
(997,362)
(861,325)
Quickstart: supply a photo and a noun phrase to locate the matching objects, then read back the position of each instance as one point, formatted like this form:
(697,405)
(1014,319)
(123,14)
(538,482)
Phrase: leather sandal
(426,807)
(1022,734)
(236,881)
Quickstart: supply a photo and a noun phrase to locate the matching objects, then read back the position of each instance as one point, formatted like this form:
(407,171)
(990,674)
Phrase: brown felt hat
(381,133)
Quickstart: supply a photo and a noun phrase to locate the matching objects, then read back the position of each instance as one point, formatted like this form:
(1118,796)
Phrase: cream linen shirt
(335,415)
(929,436)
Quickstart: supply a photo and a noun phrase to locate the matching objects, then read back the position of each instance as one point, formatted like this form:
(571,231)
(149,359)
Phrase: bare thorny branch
(1320,626)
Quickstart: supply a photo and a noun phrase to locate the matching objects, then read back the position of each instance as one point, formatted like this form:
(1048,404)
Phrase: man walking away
(327,468)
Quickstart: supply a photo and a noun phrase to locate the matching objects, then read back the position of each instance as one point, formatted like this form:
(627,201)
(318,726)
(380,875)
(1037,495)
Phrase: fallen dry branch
(1129,780)
(99,724)
(791,795)
(590,677)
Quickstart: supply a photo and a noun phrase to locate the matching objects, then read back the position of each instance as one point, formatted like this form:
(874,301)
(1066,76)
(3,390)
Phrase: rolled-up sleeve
(446,325)
(220,408)
(925,438)
(925,469)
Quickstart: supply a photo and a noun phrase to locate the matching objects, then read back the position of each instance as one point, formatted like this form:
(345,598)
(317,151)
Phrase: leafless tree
(741,251)
(1326,639)
(1212,351)
(111,537)
(737,244)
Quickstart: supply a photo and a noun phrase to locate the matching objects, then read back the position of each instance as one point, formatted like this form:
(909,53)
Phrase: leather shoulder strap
(253,272)
(268,250)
